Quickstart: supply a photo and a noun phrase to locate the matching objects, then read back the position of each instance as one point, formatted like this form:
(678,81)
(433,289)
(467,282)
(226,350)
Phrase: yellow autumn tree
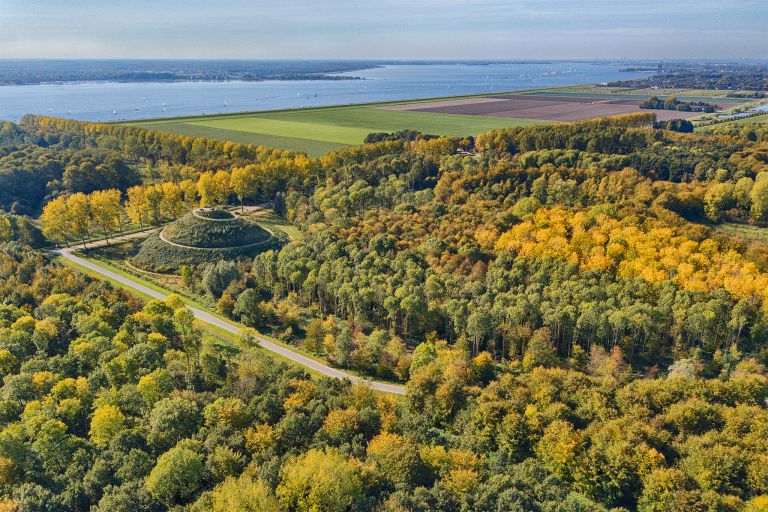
(171,204)
(244,182)
(136,205)
(79,216)
(107,422)
(55,220)
(107,210)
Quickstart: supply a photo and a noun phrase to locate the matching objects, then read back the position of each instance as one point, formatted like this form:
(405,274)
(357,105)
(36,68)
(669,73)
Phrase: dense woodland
(575,331)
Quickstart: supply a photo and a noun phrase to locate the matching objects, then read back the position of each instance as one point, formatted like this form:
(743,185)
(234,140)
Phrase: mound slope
(201,237)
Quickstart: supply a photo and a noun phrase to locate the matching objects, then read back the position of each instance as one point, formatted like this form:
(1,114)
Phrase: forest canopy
(578,313)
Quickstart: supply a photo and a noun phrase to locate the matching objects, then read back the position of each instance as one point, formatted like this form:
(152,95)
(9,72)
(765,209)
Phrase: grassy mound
(196,240)
(214,213)
(220,230)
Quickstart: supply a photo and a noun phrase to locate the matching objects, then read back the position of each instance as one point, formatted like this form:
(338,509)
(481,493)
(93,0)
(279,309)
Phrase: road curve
(213,320)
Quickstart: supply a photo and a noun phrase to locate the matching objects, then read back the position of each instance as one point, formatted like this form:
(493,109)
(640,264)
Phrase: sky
(384,29)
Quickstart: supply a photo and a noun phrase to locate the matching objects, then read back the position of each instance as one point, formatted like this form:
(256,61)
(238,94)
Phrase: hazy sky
(386,29)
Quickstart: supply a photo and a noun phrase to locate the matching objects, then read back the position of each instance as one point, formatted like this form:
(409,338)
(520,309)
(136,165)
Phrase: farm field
(551,108)
(316,131)
(311,147)
(682,94)
(319,130)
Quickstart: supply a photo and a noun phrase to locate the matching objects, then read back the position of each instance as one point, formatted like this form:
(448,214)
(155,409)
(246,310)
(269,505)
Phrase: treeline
(31,175)
(77,216)
(752,132)
(111,404)
(672,103)
(42,158)
(139,143)
(617,135)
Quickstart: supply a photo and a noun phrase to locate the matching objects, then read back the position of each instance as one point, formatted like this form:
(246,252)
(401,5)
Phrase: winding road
(204,316)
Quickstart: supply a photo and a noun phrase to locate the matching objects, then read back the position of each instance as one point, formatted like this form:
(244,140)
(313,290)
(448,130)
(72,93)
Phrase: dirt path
(204,316)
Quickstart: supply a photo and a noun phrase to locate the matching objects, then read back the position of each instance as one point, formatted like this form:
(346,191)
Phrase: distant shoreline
(54,72)
(324,77)
(22,72)
(328,78)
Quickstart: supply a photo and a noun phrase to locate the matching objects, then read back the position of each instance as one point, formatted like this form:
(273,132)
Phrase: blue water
(110,101)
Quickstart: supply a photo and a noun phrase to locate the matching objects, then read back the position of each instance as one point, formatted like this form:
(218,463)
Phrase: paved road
(209,318)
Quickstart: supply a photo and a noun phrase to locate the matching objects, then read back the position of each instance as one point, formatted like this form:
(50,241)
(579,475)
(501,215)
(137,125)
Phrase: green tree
(759,198)
(396,457)
(171,420)
(177,476)
(319,480)
(719,197)
(539,351)
(190,336)
(314,336)
(244,495)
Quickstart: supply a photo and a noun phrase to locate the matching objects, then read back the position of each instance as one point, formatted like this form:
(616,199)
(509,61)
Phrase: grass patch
(233,340)
(312,148)
(745,232)
(372,119)
(271,222)
(291,129)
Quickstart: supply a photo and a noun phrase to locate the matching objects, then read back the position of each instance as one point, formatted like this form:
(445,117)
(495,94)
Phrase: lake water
(111,101)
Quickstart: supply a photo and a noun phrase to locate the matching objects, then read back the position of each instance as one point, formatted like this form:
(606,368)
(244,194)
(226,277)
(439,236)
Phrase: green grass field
(750,120)
(743,231)
(319,130)
(746,120)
